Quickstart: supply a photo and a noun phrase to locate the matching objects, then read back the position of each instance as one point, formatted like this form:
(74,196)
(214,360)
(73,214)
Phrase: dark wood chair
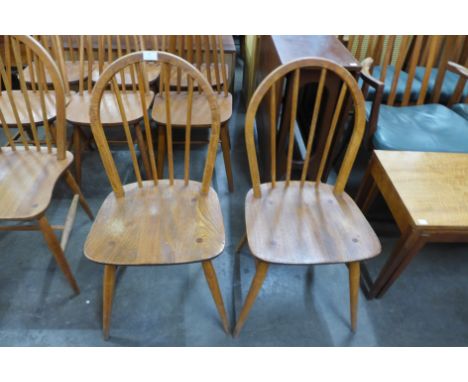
(30,169)
(161,221)
(292,222)
(417,126)
(401,63)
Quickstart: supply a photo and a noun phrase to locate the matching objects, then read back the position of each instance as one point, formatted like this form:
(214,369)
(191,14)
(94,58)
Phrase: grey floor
(172,306)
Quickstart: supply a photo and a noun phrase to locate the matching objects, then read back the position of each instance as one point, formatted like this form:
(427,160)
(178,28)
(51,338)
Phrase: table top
(432,186)
(292,47)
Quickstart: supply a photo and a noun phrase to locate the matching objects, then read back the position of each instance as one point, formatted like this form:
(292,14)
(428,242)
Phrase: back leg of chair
(108,286)
(54,246)
(225,145)
(257,282)
(212,280)
(77,152)
(161,149)
(143,151)
(76,190)
(354,269)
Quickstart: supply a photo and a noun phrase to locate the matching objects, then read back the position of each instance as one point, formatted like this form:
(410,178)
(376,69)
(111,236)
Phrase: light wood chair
(29,170)
(294,222)
(109,48)
(161,221)
(64,49)
(78,108)
(204,52)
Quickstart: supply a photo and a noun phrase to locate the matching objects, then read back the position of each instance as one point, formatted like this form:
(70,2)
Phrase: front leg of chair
(76,190)
(257,282)
(241,243)
(108,286)
(225,145)
(212,280)
(354,270)
(54,246)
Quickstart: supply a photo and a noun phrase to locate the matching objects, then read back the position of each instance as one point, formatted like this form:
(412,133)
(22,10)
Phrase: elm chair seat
(462,109)
(163,224)
(284,217)
(431,127)
(401,85)
(448,85)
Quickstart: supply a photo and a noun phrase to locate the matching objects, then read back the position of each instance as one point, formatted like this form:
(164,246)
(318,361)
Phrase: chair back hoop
(269,84)
(167,61)
(28,108)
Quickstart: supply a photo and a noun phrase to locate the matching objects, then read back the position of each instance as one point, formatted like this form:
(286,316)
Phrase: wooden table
(427,194)
(278,50)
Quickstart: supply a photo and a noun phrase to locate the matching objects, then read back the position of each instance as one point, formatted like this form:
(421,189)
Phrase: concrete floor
(172,306)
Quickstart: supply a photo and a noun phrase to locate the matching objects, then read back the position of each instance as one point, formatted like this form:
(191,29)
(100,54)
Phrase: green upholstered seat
(401,85)
(448,85)
(431,127)
(462,109)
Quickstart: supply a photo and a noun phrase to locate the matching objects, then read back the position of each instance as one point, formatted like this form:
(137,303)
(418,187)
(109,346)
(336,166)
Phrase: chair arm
(463,73)
(458,69)
(369,80)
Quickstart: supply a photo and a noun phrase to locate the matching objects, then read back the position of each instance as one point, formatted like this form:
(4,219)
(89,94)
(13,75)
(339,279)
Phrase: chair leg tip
(76,289)
(236,332)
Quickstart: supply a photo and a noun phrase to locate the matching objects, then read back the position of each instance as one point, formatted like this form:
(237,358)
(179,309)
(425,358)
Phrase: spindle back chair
(30,169)
(413,69)
(63,50)
(109,48)
(25,109)
(301,221)
(203,52)
(96,52)
(161,221)
(437,84)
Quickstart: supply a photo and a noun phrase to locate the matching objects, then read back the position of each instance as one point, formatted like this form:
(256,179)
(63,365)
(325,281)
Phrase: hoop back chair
(206,53)
(78,109)
(301,221)
(30,170)
(161,221)
(64,51)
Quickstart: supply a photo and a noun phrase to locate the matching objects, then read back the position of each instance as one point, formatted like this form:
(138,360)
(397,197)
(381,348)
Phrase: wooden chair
(442,81)
(419,126)
(64,50)
(30,170)
(110,48)
(390,59)
(162,221)
(78,108)
(204,52)
(294,222)
(400,63)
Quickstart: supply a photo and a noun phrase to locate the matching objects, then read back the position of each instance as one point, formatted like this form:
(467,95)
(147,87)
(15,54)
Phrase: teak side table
(427,194)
